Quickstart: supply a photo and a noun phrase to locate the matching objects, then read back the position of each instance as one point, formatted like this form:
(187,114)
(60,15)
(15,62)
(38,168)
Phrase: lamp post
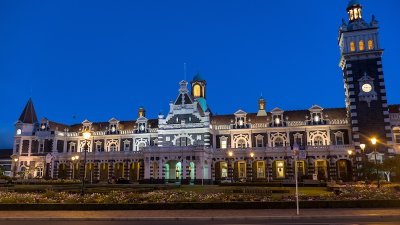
(296,157)
(362,146)
(350,152)
(74,158)
(86,136)
(230,168)
(374,141)
(15,159)
(251,165)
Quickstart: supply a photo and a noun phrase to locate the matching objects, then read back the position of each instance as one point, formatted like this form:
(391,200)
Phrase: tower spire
(354,9)
(28,115)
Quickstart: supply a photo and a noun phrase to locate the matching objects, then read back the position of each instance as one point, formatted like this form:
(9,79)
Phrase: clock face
(367,88)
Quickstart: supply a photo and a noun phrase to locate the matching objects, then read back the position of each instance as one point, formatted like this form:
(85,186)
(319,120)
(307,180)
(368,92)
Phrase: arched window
(352,46)
(278,142)
(113,147)
(196,91)
(318,141)
(370,44)
(241,143)
(361,45)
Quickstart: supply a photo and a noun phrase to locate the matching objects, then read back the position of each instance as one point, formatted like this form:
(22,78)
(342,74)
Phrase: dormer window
(352,46)
(316,115)
(277,121)
(240,119)
(361,45)
(113,126)
(86,125)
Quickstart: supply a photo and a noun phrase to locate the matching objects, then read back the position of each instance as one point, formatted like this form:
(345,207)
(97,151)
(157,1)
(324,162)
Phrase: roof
(198,77)
(353,2)
(293,115)
(394,108)
(5,153)
(28,115)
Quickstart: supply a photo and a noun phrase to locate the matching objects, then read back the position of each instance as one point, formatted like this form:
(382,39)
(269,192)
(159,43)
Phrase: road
(208,222)
(204,217)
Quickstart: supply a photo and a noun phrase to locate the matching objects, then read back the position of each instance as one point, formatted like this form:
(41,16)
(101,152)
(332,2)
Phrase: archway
(104,171)
(321,169)
(89,176)
(279,169)
(134,171)
(119,170)
(344,170)
(62,171)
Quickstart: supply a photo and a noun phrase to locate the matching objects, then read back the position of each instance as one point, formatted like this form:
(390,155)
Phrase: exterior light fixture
(316,118)
(373,141)
(362,146)
(350,152)
(252,155)
(86,135)
(277,120)
(230,153)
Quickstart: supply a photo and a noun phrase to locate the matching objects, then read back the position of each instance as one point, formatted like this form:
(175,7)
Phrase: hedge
(204,206)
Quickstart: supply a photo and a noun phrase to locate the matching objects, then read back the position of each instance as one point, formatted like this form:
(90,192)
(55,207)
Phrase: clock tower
(361,62)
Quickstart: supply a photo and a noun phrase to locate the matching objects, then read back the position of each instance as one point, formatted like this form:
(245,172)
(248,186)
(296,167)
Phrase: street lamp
(350,152)
(374,141)
(230,169)
(15,159)
(86,136)
(251,164)
(74,158)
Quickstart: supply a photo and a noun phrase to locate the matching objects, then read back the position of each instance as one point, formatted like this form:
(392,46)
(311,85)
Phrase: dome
(353,2)
(198,77)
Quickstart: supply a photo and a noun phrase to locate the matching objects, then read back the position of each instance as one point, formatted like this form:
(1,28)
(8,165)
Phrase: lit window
(241,143)
(19,132)
(280,169)
(223,144)
(370,44)
(260,169)
(355,14)
(359,12)
(196,91)
(397,138)
(318,141)
(278,142)
(277,120)
(352,46)
(361,45)
(351,15)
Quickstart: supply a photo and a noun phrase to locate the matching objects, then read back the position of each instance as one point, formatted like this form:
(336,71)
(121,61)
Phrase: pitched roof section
(29,114)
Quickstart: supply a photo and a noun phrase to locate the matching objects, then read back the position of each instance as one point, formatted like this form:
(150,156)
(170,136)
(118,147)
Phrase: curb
(245,218)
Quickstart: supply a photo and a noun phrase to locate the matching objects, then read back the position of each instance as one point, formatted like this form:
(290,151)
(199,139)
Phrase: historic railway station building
(191,145)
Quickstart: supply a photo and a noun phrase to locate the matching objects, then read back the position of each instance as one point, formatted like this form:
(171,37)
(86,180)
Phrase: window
(318,141)
(241,143)
(352,46)
(196,91)
(98,146)
(397,138)
(113,147)
(140,146)
(339,138)
(242,170)
(223,143)
(72,147)
(370,44)
(351,14)
(183,141)
(361,46)
(41,147)
(224,170)
(260,169)
(259,141)
(127,145)
(280,169)
(278,142)
(298,139)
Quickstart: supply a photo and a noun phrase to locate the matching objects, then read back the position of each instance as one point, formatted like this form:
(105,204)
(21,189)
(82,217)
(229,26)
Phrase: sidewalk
(272,214)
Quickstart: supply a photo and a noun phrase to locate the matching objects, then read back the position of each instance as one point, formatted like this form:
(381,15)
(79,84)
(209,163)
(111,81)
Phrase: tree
(2,170)
(367,171)
(391,165)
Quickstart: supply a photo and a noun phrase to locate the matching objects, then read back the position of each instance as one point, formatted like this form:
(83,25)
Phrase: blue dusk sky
(98,59)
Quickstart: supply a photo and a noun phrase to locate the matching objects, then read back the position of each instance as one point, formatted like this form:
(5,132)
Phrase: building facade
(192,145)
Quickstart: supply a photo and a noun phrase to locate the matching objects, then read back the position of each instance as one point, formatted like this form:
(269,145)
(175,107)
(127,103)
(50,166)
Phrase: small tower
(198,87)
(27,121)
(261,107)
(354,9)
(141,112)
